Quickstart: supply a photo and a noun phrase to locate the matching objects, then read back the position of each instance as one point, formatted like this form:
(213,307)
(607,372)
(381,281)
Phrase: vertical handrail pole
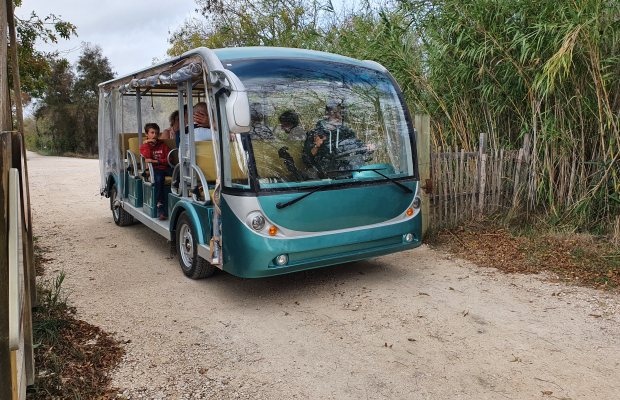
(184,169)
(139,115)
(190,132)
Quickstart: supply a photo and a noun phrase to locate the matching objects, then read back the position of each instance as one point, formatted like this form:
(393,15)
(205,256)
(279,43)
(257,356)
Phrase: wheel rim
(113,199)
(186,245)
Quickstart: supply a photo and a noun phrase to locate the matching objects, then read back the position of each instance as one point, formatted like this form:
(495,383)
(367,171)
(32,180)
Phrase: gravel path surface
(414,325)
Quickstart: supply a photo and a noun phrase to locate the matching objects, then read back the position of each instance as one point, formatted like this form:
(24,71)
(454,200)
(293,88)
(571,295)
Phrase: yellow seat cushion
(268,162)
(134,146)
(206,162)
(124,141)
(171,143)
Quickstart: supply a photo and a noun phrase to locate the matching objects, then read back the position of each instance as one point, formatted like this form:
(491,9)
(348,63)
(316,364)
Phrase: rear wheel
(121,217)
(192,264)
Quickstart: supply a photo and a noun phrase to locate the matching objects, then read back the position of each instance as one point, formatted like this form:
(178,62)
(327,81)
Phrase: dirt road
(415,325)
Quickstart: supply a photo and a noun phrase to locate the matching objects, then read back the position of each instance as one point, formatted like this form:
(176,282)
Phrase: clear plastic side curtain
(109,156)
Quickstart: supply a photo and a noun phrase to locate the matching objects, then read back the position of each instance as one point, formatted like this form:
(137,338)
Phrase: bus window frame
(256,190)
(225,143)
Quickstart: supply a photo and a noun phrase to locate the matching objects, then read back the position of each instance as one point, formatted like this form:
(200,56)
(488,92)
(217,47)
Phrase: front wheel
(192,265)
(121,217)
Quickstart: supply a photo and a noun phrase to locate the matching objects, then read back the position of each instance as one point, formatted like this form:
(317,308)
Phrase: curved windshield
(317,123)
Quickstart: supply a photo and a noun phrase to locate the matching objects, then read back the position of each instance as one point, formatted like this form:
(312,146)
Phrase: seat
(125,141)
(269,164)
(134,146)
(205,160)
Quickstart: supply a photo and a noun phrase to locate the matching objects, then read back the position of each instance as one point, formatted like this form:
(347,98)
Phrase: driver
(330,141)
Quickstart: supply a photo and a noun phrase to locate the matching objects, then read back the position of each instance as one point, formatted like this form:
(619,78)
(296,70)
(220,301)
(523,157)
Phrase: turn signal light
(273,230)
(410,211)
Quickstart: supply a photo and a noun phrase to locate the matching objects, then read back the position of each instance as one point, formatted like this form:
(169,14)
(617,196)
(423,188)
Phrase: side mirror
(238,104)
(238,112)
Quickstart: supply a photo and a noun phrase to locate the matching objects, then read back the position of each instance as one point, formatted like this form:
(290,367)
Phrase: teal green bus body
(250,255)
(360,212)
(346,221)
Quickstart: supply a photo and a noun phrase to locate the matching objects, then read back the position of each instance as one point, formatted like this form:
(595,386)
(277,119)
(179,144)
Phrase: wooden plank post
(6,370)
(438,187)
(423,126)
(462,185)
(15,67)
(482,173)
(521,158)
(6,123)
(7,379)
(18,145)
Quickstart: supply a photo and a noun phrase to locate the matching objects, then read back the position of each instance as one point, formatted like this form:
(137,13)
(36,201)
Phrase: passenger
(201,120)
(174,126)
(328,144)
(289,121)
(156,152)
(258,130)
(202,127)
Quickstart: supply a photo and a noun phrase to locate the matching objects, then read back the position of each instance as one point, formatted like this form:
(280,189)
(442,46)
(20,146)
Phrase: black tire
(192,265)
(120,216)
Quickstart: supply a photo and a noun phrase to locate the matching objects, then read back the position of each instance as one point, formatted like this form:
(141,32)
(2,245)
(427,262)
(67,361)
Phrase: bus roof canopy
(191,63)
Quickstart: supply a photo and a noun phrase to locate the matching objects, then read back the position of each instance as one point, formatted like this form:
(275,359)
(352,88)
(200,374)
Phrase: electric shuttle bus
(312,159)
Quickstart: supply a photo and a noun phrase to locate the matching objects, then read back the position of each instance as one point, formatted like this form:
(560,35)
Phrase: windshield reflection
(321,122)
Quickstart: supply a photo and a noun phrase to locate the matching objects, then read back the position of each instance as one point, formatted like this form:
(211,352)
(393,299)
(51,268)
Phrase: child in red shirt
(156,152)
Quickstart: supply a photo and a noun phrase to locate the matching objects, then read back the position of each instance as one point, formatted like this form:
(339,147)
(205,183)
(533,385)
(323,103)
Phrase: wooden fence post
(6,373)
(6,124)
(482,172)
(19,145)
(423,126)
(15,67)
(522,157)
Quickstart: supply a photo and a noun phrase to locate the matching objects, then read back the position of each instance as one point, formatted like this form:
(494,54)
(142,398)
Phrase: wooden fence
(17,271)
(468,185)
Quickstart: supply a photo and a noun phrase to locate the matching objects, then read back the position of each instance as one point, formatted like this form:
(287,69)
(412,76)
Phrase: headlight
(417,202)
(282,260)
(256,221)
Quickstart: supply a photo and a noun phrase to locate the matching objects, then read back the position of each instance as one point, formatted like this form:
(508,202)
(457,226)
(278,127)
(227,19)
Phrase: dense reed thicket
(505,67)
(548,68)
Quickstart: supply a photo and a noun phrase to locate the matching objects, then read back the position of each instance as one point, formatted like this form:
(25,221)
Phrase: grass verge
(577,258)
(72,357)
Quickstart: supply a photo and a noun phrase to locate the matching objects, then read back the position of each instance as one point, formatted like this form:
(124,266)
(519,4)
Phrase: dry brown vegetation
(577,258)
(72,357)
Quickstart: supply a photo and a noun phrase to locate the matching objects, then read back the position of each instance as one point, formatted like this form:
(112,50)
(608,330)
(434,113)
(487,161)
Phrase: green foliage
(34,65)
(547,68)
(67,113)
(53,302)
(232,23)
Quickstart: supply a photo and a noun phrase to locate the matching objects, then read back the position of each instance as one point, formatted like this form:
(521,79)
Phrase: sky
(130,32)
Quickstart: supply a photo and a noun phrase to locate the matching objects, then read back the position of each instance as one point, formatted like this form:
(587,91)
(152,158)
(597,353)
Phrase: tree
(34,65)
(56,107)
(233,23)
(69,104)
(92,69)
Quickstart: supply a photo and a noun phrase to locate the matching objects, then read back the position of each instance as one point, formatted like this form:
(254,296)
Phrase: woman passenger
(174,126)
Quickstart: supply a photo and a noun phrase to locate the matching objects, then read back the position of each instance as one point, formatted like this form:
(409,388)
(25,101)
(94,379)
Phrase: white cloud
(131,32)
